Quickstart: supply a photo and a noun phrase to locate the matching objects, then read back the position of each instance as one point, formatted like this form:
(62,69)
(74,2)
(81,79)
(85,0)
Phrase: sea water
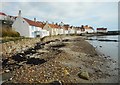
(107,48)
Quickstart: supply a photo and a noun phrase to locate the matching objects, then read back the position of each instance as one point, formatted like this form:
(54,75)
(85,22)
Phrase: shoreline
(61,59)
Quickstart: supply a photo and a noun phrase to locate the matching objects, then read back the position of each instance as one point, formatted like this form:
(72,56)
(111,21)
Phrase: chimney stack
(34,19)
(43,22)
(46,22)
(52,22)
(19,14)
(61,23)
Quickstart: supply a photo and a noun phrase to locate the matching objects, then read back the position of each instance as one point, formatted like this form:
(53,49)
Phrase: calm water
(110,49)
(106,48)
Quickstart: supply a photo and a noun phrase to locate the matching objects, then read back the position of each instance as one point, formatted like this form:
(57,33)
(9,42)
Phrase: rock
(56,83)
(47,46)
(66,72)
(10,78)
(22,51)
(42,51)
(114,61)
(9,51)
(84,75)
(65,40)
(7,71)
(98,70)
(56,44)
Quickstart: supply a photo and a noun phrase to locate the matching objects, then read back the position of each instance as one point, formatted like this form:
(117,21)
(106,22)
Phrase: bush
(8,32)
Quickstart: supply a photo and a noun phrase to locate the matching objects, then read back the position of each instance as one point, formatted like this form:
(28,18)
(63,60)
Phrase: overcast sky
(95,14)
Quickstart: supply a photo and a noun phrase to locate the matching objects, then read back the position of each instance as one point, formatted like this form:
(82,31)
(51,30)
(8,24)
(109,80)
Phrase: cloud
(61,0)
(75,13)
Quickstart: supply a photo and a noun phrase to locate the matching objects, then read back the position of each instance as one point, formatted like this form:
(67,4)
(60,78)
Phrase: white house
(48,28)
(29,28)
(54,29)
(43,31)
(88,29)
(62,28)
(3,16)
(72,30)
(60,31)
(11,18)
(65,29)
(78,30)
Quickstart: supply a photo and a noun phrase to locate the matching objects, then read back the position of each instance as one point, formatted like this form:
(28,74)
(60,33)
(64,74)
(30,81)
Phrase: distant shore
(65,59)
(102,34)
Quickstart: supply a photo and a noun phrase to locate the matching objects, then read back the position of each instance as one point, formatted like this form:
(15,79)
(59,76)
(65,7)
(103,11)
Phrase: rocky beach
(55,60)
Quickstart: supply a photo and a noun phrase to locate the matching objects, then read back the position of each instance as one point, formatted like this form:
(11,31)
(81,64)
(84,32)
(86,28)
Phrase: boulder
(84,75)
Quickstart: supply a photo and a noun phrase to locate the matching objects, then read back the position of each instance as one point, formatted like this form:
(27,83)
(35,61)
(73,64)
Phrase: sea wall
(13,47)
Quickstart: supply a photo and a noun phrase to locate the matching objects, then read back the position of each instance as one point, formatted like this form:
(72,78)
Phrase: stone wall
(13,47)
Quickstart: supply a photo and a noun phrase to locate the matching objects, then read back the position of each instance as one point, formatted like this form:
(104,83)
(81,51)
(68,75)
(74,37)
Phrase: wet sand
(62,60)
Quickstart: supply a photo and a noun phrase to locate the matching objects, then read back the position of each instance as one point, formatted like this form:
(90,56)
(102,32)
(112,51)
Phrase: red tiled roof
(33,23)
(66,27)
(1,13)
(57,26)
(101,28)
(87,27)
(54,26)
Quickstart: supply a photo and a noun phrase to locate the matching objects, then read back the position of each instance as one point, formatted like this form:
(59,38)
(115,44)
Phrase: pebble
(52,69)
(10,79)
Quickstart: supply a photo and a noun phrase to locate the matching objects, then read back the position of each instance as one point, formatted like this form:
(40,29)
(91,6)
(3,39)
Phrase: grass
(7,39)
(7,34)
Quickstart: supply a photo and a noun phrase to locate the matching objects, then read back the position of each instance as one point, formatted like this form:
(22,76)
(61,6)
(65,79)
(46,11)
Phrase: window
(32,33)
(32,27)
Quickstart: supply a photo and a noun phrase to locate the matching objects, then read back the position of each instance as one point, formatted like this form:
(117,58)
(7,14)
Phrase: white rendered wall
(104,31)
(3,17)
(89,30)
(21,26)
